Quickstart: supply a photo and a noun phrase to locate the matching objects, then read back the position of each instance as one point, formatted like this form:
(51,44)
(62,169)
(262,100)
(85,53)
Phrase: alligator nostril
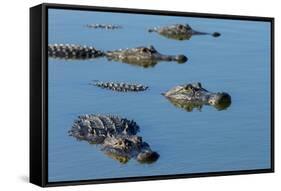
(148,157)
(216,34)
(223,102)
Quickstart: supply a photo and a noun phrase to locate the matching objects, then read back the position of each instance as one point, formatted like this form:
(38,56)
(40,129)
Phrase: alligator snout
(181,58)
(220,100)
(147,157)
(216,34)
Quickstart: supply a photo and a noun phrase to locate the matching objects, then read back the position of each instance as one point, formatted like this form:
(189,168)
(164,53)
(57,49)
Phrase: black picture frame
(39,93)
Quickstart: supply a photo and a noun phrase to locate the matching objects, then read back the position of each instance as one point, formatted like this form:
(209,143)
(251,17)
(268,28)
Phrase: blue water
(238,62)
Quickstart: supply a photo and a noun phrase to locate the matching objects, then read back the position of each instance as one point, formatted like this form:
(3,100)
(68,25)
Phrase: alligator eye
(212,102)
(119,143)
(145,50)
(180,26)
(188,87)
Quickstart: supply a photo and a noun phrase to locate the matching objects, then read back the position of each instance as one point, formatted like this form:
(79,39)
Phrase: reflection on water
(190,106)
(149,63)
(236,138)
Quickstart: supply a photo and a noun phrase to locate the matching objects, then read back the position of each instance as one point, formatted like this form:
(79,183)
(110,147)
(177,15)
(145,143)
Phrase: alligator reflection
(190,106)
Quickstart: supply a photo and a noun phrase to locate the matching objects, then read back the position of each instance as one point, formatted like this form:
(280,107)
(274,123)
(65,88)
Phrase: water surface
(238,62)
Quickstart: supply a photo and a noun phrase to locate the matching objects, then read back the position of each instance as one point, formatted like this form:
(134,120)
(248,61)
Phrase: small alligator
(71,51)
(116,136)
(120,86)
(189,96)
(142,56)
(104,26)
(179,32)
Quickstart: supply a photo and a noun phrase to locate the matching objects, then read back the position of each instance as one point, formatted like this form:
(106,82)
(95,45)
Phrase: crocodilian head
(124,148)
(189,95)
(150,52)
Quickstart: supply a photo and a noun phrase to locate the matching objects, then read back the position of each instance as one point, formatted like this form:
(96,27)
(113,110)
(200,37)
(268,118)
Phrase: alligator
(142,56)
(116,136)
(189,96)
(104,26)
(120,86)
(71,51)
(179,32)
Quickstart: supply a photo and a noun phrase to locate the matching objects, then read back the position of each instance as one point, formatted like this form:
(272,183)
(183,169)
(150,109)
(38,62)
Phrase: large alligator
(142,56)
(72,51)
(189,96)
(116,136)
(120,86)
(104,26)
(179,32)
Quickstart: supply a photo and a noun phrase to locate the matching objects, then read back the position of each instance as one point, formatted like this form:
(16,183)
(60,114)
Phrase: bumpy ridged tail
(71,51)
(120,86)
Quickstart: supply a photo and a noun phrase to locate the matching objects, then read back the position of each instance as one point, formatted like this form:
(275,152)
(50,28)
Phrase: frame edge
(36,168)
(42,40)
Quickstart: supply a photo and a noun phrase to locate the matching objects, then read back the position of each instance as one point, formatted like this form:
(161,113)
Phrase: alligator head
(142,56)
(116,137)
(179,32)
(123,148)
(189,96)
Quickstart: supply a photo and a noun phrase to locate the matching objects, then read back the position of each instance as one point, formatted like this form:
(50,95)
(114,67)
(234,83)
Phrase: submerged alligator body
(116,136)
(142,56)
(104,26)
(71,51)
(179,32)
(189,96)
(120,86)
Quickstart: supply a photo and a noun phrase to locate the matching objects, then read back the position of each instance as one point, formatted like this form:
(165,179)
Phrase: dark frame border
(42,173)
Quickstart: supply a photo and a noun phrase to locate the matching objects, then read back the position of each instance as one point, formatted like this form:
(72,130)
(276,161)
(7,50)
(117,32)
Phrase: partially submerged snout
(216,34)
(220,100)
(147,157)
(181,58)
